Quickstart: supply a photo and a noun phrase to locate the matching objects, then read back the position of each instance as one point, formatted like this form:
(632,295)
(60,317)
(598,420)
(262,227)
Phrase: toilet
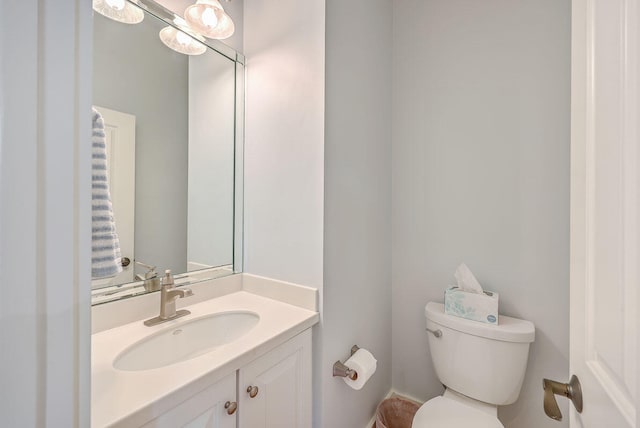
(482,366)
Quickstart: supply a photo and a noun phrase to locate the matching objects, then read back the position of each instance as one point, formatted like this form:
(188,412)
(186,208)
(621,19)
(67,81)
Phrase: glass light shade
(224,29)
(181,42)
(207,17)
(119,10)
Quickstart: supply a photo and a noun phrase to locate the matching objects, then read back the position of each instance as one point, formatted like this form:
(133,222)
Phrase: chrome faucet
(168,296)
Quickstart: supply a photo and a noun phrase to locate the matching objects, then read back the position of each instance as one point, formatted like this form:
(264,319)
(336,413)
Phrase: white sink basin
(185,341)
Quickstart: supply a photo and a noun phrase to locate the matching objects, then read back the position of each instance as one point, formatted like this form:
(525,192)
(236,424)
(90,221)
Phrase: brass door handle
(231,407)
(125,261)
(253,391)
(571,390)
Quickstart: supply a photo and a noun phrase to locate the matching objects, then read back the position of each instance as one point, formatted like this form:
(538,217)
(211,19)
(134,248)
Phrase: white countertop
(130,398)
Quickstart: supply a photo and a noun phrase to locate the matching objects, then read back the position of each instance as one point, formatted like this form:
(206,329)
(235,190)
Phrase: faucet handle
(150,273)
(167,279)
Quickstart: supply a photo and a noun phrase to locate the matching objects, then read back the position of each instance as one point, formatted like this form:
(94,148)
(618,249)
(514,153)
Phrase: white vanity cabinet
(206,409)
(274,391)
(274,356)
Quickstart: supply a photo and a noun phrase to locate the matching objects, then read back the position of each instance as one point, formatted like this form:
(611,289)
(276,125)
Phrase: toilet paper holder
(340,370)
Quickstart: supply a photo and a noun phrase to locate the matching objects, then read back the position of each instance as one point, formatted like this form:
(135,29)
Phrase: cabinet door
(283,381)
(203,410)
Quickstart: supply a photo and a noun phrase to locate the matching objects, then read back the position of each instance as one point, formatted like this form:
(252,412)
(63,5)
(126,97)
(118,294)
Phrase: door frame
(45,220)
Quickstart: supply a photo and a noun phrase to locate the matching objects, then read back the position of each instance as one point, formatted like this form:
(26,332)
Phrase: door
(120,133)
(274,391)
(215,407)
(605,211)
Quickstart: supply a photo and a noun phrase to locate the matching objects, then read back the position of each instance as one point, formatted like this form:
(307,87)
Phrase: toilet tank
(482,361)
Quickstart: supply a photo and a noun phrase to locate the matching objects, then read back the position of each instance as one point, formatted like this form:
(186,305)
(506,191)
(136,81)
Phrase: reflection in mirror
(170,123)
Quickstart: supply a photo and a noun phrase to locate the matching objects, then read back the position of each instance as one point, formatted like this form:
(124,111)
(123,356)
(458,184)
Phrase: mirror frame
(113,293)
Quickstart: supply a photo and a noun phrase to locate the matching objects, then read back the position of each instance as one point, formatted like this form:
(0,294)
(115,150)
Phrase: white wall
(481,175)
(284,146)
(357,225)
(284,139)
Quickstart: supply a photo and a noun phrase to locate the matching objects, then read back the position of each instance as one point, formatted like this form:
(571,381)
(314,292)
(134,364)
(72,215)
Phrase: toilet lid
(442,412)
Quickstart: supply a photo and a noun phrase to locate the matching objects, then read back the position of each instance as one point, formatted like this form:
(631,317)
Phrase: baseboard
(404,395)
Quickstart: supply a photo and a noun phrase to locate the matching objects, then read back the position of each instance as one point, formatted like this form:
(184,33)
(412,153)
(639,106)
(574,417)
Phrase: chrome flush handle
(436,333)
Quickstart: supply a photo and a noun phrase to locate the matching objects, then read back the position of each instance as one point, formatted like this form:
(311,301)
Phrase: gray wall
(135,73)
(357,206)
(481,175)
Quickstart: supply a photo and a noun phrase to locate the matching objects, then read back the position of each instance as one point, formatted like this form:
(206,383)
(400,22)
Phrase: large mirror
(173,135)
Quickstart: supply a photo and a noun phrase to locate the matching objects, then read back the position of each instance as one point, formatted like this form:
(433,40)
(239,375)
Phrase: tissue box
(474,306)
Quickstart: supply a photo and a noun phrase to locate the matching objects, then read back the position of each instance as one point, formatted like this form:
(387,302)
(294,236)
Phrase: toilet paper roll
(364,364)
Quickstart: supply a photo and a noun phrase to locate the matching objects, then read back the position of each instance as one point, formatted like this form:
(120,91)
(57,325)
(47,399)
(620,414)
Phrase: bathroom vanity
(240,359)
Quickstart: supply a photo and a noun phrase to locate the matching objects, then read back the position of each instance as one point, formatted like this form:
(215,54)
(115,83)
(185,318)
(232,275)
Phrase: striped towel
(105,246)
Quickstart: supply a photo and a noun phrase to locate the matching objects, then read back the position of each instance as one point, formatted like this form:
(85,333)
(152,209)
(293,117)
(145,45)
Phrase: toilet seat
(443,412)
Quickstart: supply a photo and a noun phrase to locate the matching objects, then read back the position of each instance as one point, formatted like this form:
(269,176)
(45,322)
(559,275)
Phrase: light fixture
(207,17)
(119,10)
(181,42)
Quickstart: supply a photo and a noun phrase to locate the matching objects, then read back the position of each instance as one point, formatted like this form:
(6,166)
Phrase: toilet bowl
(482,367)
